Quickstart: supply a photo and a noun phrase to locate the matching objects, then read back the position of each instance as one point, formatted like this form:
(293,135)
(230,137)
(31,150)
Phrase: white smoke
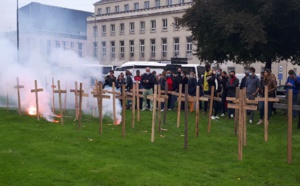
(63,65)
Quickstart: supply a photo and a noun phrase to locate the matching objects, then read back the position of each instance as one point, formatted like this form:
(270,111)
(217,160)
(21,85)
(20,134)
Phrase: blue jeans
(295,102)
(262,109)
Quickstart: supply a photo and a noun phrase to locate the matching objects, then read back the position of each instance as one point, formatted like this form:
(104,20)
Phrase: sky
(8,9)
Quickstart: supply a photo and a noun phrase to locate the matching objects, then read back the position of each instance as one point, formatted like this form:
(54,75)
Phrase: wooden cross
(53,103)
(65,100)
(240,104)
(75,91)
(138,95)
(290,107)
(266,101)
(196,99)
(159,99)
(181,97)
(98,93)
(36,90)
(18,87)
(59,91)
(154,113)
(132,96)
(186,111)
(81,95)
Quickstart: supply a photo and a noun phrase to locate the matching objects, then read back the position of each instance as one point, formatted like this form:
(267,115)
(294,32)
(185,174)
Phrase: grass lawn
(43,153)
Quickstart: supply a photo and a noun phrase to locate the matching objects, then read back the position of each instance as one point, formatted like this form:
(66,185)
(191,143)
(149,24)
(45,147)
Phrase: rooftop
(37,16)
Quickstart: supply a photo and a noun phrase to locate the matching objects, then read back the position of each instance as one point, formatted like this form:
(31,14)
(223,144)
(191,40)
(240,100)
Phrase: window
(57,44)
(131,42)
(229,69)
(176,23)
(64,45)
(95,50)
(80,49)
(169,2)
(164,48)
(176,47)
(181,1)
(122,28)
(72,45)
(108,10)
(112,29)
(126,7)
(112,50)
(99,11)
(117,8)
(103,50)
(131,27)
(103,29)
(122,50)
(189,47)
(142,49)
(146,5)
(157,3)
(153,25)
(165,24)
(142,23)
(152,54)
(136,6)
(95,31)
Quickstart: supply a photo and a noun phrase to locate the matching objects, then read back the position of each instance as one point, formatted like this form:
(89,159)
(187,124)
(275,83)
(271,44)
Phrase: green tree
(245,31)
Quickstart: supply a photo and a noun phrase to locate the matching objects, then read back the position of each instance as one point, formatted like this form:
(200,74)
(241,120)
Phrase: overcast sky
(8,9)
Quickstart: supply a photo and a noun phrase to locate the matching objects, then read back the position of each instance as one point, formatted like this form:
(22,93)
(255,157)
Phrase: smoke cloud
(63,65)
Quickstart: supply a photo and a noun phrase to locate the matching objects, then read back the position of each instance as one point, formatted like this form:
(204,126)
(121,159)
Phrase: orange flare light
(118,122)
(31,111)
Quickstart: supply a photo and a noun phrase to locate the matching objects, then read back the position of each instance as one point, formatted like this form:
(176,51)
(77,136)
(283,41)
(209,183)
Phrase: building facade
(147,30)
(133,30)
(44,28)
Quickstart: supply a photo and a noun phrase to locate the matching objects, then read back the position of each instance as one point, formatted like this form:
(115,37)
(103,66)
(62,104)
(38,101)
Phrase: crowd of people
(225,85)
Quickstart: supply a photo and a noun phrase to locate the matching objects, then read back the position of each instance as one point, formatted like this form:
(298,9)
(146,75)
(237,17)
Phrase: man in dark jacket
(223,83)
(232,83)
(184,81)
(129,85)
(109,79)
(148,81)
(243,82)
(192,84)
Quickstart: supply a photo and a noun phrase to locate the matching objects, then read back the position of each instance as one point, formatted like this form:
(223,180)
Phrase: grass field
(43,153)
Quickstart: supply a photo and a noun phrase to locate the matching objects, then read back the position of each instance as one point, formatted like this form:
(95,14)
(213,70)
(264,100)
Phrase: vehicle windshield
(105,70)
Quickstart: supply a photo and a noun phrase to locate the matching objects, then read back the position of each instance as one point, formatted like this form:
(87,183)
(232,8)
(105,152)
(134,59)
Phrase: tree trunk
(268,64)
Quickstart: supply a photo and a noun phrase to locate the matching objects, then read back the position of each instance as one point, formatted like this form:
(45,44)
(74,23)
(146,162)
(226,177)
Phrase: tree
(245,31)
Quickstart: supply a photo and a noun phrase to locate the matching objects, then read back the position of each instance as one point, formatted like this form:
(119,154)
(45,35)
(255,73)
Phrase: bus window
(200,70)
(106,70)
(188,69)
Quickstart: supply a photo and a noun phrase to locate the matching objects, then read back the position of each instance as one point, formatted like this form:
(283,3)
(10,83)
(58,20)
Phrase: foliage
(245,31)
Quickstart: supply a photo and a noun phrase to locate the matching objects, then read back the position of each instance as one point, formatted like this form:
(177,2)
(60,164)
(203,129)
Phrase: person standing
(129,85)
(231,85)
(207,76)
(243,82)
(223,83)
(217,91)
(168,78)
(293,82)
(184,81)
(267,80)
(192,84)
(148,80)
(119,82)
(201,93)
(137,79)
(109,79)
(252,89)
